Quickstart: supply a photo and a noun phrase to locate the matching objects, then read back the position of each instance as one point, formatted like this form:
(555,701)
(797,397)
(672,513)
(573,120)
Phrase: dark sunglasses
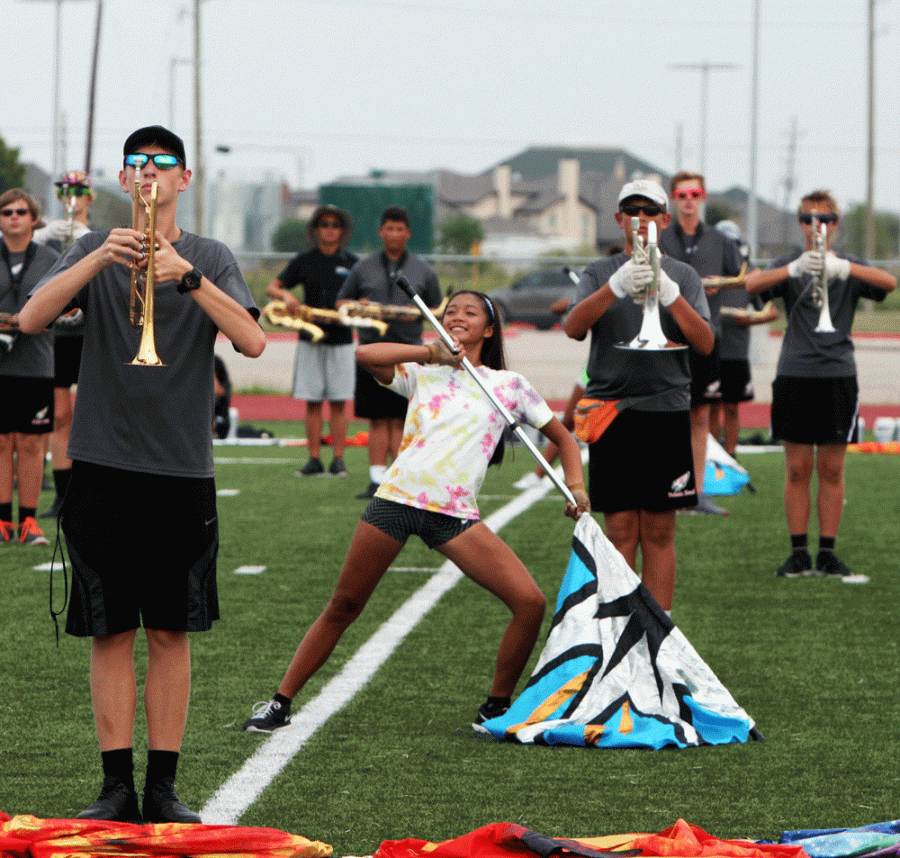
(634,209)
(164,161)
(11,212)
(692,193)
(73,191)
(821,218)
(332,224)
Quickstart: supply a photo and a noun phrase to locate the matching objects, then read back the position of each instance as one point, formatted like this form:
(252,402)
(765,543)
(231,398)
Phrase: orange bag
(593,417)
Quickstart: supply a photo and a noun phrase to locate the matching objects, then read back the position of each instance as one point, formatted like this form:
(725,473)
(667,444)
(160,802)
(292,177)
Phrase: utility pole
(199,177)
(752,223)
(89,135)
(869,240)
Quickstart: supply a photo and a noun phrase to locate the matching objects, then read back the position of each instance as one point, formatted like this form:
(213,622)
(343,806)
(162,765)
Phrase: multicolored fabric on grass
(615,672)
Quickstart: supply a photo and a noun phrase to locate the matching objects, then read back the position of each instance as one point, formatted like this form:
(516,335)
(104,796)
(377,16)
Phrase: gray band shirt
(369,279)
(153,419)
(709,253)
(805,353)
(615,373)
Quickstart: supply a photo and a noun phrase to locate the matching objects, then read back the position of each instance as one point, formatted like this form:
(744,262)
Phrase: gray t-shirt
(709,253)
(155,419)
(614,373)
(804,353)
(32,354)
(370,278)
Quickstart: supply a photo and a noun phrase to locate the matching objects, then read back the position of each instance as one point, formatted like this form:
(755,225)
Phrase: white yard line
(246,785)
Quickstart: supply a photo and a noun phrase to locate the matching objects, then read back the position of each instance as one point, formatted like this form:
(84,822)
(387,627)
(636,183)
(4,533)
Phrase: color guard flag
(615,672)
(724,476)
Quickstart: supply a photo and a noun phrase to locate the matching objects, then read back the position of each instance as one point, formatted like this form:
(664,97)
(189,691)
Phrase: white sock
(377,472)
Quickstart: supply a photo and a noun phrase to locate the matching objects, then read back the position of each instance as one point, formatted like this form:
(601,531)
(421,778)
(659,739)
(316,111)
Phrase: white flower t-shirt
(451,432)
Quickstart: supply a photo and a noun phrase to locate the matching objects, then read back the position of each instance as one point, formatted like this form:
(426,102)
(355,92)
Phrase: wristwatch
(190,281)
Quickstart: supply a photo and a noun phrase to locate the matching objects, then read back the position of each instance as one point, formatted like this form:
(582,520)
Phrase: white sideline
(245,786)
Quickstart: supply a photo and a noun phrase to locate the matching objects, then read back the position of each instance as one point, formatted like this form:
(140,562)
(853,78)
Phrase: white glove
(835,267)
(631,279)
(811,262)
(668,289)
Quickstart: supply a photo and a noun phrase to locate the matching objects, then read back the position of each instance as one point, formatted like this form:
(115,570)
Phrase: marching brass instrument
(651,337)
(9,323)
(820,281)
(143,219)
(381,312)
(305,319)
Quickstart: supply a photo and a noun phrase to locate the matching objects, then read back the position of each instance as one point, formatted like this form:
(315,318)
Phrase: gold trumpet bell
(142,288)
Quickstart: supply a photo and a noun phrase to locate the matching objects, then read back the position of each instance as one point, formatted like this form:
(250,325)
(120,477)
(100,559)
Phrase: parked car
(529,298)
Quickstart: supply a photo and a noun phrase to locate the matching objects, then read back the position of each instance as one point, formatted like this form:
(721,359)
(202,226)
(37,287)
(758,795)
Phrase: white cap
(646,188)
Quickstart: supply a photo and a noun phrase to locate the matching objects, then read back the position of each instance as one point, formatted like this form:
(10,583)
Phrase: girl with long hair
(452,433)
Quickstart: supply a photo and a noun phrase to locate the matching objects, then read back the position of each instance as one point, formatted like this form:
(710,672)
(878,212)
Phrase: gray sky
(318,90)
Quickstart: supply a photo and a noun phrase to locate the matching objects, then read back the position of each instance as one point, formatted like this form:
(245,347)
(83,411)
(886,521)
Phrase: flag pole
(511,421)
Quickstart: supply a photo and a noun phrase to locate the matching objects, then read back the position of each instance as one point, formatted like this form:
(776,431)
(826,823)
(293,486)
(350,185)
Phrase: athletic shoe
(368,492)
(161,804)
(54,510)
(313,468)
(337,468)
(117,802)
(530,481)
(798,565)
(706,507)
(7,532)
(30,533)
(828,565)
(485,713)
(268,716)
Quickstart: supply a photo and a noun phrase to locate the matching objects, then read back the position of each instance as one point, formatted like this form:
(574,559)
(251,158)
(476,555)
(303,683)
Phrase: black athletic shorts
(815,410)
(643,461)
(372,401)
(26,405)
(400,521)
(737,384)
(66,360)
(141,547)
(705,384)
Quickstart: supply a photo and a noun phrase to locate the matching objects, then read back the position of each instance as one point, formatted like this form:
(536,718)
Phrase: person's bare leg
(732,423)
(114,689)
(337,419)
(395,436)
(623,529)
(379,439)
(798,468)
(168,688)
(830,460)
(658,555)
(370,554)
(314,429)
(699,432)
(29,467)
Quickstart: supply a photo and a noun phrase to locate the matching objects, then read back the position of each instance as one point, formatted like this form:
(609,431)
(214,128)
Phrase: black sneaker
(313,468)
(267,717)
(368,492)
(485,713)
(337,468)
(798,565)
(117,802)
(828,565)
(161,804)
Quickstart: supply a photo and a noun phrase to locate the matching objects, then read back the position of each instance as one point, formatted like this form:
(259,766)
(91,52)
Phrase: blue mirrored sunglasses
(163,160)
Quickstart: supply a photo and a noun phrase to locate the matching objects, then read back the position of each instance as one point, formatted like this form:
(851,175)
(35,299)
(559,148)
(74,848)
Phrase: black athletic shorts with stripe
(142,547)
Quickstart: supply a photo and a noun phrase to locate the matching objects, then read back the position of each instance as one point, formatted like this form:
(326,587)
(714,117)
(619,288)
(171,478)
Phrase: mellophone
(820,281)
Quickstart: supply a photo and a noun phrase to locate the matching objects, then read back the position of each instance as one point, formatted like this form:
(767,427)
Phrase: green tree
(458,233)
(290,236)
(886,233)
(12,173)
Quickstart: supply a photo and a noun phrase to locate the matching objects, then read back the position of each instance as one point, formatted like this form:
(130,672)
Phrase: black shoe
(828,565)
(161,804)
(117,802)
(337,468)
(798,565)
(368,492)
(54,510)
(485,713)
(313,468)
(267,717)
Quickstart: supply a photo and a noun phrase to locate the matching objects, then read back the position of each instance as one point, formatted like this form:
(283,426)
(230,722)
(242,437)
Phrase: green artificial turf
(816,663)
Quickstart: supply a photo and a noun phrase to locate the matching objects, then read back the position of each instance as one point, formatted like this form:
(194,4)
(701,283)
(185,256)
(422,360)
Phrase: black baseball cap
(158,136)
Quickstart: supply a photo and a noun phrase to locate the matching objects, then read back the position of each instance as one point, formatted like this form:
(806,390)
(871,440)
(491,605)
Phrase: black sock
(5,512)
(61,481)
(26,512)
(161,765)
(284,701)
(826,543)
(119,764)
(799,542)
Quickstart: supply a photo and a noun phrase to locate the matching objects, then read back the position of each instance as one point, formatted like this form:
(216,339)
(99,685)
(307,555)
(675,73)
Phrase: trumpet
(651,337)
(308,318)
(820,281)
(143,219)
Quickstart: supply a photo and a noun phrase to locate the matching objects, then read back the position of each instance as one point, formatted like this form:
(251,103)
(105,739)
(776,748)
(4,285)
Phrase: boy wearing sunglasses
(815,395)
(641,469)
(139,516)
(711,255)
(74,192)
(26,371)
